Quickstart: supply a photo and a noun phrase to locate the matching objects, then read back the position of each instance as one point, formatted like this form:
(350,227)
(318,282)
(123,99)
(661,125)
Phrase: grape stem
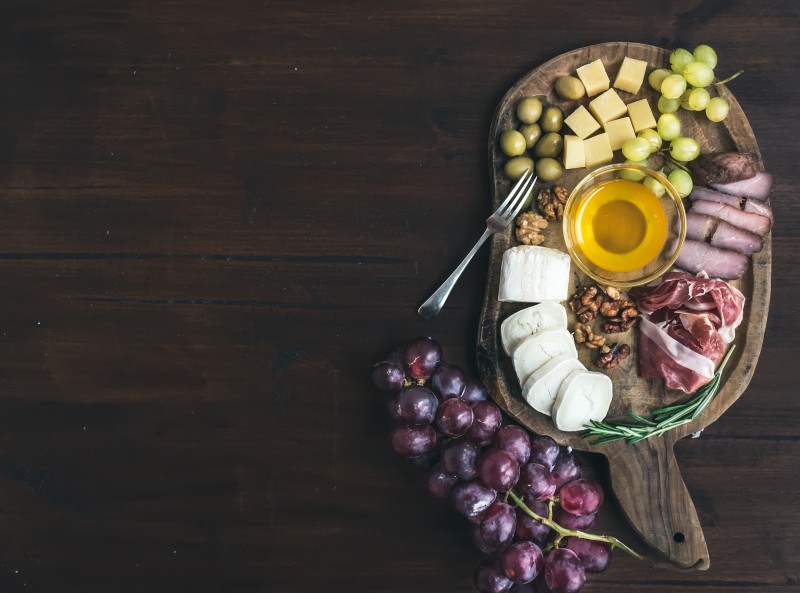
(672,161)
(564,532)
(731,77)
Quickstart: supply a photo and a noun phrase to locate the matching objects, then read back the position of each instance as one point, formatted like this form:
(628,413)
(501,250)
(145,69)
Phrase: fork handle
(434,304)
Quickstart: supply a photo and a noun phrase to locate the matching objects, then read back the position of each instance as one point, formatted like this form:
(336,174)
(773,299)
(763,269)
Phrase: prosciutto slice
(687,322)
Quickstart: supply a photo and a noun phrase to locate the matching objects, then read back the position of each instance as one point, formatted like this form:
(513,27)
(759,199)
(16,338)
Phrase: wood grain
(644,476)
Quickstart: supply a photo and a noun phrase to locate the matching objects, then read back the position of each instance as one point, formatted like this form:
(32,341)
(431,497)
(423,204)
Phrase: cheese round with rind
(530,321)
(535,352)
(541,388)
(582,396)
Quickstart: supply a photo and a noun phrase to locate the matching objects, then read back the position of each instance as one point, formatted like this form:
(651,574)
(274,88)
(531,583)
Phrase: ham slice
(696,256)
(757,187)
(758,207)
(700,227)
(754,223)
(687,321)
(748,205)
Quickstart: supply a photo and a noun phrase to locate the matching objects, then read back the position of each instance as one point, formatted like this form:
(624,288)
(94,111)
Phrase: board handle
(648,485)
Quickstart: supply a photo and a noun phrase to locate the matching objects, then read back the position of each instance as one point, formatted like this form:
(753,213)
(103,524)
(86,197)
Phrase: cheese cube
(630,75)
(619,130)
(574,157)
(594,78)
(597,150)
(641,115)
(607,106)
(582,123)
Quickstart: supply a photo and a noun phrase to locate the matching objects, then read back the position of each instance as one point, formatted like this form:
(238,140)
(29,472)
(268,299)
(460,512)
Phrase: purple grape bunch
(446,422)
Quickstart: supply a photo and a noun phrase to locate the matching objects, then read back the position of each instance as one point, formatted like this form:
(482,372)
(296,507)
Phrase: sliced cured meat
(748,205)
(696,256)
(757,187)
(723,167)
(759,207)
(727,236)
(754,223)
(700,227)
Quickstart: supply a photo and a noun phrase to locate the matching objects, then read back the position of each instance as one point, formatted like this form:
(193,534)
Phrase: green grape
(668,105)
(654,186)
(698,74)
(669,126)
(652,137)
(636,149)
(703,53)
(657,77)
(685,99)
(698,99)
(682,182)
(684,149)
(673,86)
(679,58)
(633,174)
(717,109)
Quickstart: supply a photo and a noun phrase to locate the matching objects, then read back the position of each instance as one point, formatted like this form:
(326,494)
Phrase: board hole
(679,537)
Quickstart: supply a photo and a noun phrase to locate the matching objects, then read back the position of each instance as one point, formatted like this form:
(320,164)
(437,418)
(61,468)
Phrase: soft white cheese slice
(530,321)
(541,388)
(535,352)
(533,274)
(582,396)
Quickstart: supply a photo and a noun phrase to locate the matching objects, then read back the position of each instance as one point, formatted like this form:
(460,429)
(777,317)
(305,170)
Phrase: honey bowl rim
(579,190)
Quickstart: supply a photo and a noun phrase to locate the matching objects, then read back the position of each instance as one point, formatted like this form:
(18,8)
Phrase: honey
(619,225)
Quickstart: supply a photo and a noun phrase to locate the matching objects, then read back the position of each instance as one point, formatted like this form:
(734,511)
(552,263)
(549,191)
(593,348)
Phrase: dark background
(214,216)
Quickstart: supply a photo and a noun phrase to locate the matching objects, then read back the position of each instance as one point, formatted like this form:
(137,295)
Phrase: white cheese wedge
(535,352)
(533,274)
(582,396)
(594,77)
(541,388)
(630,75)
(582,123)
(574,156)
(531,321)
(607,106)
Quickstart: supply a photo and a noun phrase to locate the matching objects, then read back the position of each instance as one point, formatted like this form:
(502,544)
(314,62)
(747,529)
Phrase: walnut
(551,201)
(585,303)
(620,314)
(584,335)
(529,227)
(610,357)
(612,291)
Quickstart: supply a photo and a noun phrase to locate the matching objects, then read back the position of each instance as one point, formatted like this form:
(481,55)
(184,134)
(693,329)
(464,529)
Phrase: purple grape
(486,423)
(472,498)
(544,450)
(441,482)
(388,377)
(595,556)
(497,527)
(567,469)
(536,481)
(460,458)
(489,577)
(563,571)
(482,545)
(514,440)
(416,405)
(522,561)
(421,357)
(412,441)
(474,392)
(498,469)
(454,417)
(581,497)
(529,528)
(571,521)
(476,519)
(448,381)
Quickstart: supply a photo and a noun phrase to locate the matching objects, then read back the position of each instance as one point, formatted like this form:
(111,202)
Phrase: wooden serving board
(644,477)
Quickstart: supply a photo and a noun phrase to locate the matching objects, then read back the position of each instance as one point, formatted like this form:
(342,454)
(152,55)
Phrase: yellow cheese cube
(607,106)
(574,157)
(641,115)
(582,123)
(618,131)
(631,75)
(597,150)
(594,78)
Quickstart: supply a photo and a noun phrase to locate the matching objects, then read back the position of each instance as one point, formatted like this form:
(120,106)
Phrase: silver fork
(501,218)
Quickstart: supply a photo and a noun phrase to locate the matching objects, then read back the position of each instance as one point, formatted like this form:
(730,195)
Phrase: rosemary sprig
(663,419)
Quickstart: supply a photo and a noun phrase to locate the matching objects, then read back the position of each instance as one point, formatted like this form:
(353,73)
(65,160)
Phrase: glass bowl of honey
(618,230)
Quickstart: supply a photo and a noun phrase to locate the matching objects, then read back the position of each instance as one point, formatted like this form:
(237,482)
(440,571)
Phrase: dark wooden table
(216,215)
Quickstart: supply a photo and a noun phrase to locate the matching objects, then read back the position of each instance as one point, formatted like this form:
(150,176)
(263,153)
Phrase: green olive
(548,169)
(529,110)
(512,143)
(552,119)
(531,133)
(569,87)
(549,145)
(516,167)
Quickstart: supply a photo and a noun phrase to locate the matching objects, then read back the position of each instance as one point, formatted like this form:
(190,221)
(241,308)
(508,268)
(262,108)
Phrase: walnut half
(584,335)
(621,315)
(586,303)
(611,356)
(529,227)
(551,201)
